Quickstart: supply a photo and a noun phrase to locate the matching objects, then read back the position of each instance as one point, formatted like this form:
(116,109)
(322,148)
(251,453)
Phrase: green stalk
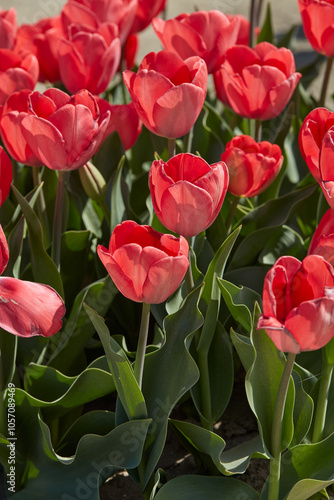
(142,342)
(106,211)
(251,20)
(322,401)
(204,382)
(325,82)
(171,147)
(41,206)
(189,280)
(258,130)
(58,218)
(276,431)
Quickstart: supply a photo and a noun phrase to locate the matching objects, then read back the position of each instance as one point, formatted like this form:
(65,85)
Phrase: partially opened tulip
(298,304)
(252,166)
(89,57)
(92,14)
(257,83)
(187,193)
(207,34)
(27,308)
(16,73)
(322,242)
(168,93)
(311,134)
(63,131)
(8,28)
(145,265)
(146,11)
(318,23)
(6,175)
(124,120)
(41,39)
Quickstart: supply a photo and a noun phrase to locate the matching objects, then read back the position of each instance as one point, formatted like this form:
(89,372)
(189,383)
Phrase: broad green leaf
(303,411)
(168,374)
(244,348)
(285,241)
(262,383)
(266,33)
(66,347)
(306,488)
(117,208)
(240,302)
(200,487)
(126,384)
(220,373)
(43,267)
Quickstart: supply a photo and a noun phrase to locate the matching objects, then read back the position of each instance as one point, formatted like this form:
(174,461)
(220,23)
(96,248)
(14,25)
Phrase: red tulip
(63,132)
(41,39)
(244,28)
(124,120)
(15,109)
(146,266)
(92,13)
(298,304)
(168,93)
(322,242)
(16,73)
(89,58)
(8,28)
(6,175)
(187,193)
(146,11)
(257,83)
(318,23)
(26,308)
(311,135)
(251,166)
(207,34)
(130,49)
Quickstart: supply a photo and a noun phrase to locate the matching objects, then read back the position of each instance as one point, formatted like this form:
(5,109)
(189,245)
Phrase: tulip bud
(93,182)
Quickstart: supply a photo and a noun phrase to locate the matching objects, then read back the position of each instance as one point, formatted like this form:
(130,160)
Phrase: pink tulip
(257,83)
(168,93)
(252,165)
(207,34)
(8,28)
(298,304)
(187,193)
(26,308)
(124,120)
(318,23)
(146,266)
(62,131)
(93,13)
(89,58)
(322,242)
(41,39)
(16,73)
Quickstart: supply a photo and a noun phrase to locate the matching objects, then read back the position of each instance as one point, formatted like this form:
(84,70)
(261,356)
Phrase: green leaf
(266,33)
(200,487)
(43,267)
(244,348)
(8,348)
(117,209)
(126,384)
(303,411)
(240,302)
(262,383)
(285,241)
(169,373)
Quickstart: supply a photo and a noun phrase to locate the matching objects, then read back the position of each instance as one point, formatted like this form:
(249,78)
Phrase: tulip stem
(58,218)
(106,212)
(229,220)
(276,430)
(322,400)
(258,130)
(251,20)
(188,278)
(142,342)
(171,147)
(41,206)
(325,81)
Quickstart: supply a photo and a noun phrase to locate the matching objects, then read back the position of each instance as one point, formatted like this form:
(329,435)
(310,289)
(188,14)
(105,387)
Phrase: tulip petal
(281,337)
(169,271)
(4,251)
(312,323)
(6,175)
(28,309)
